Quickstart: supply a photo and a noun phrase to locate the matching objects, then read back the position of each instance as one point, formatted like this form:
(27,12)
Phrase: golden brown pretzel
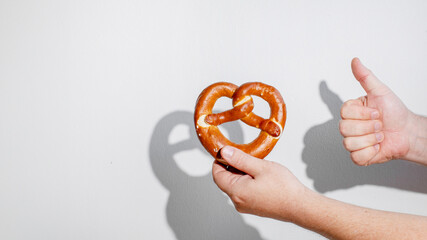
(206,122)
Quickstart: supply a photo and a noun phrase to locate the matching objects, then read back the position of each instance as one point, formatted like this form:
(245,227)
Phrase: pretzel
(206,122)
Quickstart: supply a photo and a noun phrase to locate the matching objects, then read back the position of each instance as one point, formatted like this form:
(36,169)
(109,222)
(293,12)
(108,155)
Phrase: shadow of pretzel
(196,208)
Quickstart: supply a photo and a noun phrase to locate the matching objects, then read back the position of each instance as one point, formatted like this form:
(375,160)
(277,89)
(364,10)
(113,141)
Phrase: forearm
(338,220)
(418,140)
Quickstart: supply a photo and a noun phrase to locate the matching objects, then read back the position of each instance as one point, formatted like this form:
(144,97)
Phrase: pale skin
(268,189)
(378,127)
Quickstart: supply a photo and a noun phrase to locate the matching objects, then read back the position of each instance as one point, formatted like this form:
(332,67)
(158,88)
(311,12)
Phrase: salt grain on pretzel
(206,122)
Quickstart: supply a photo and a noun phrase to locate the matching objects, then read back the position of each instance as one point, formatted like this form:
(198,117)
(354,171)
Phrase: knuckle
(239,209)
(343,111)
(347,104)
(346,108)
(214,177)
(357,159)
(239,203)
(238,158)
(271,164)
(365,76)
(342,127)
(267,165)
(346,143)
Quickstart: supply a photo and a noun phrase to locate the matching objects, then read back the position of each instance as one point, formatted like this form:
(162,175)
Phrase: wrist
(316,212)
(305,204)
(417,132)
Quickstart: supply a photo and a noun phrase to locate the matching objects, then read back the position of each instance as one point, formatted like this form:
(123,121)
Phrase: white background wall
(96,101)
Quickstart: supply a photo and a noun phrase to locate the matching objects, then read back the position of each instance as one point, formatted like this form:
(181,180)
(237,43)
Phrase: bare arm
(418,142)
(338,220)
(271,190)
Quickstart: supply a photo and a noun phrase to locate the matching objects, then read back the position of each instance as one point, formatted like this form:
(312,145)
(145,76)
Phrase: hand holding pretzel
(207,122)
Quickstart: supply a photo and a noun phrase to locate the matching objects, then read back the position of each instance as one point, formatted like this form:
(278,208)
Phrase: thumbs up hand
(376,127)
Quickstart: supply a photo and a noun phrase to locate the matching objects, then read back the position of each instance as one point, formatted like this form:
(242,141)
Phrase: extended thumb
(242,161)
(369,82)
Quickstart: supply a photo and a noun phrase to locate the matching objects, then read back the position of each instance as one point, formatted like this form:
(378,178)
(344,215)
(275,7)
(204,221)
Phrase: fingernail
(379,137)
(375,115)
(227,152)
(377,147)
(377,126)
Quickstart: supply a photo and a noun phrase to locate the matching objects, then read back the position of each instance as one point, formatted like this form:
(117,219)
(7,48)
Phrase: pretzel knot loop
(207,122)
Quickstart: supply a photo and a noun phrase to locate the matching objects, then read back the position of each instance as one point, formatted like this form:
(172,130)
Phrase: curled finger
(357,112)
(362,157)
(351,128)
(360,142)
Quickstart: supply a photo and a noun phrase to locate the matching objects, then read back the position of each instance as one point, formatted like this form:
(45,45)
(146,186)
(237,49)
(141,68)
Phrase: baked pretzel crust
(206,122)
